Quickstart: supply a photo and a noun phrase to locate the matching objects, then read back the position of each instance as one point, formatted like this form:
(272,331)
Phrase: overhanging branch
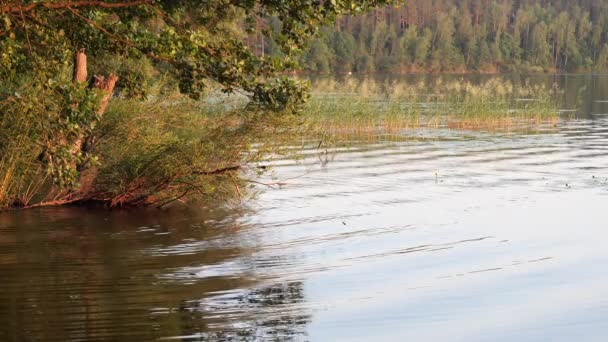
(19,8)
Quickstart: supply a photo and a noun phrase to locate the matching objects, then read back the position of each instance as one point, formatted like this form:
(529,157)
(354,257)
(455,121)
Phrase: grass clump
(369,107)
(154,152)
(164,151)
(38,124)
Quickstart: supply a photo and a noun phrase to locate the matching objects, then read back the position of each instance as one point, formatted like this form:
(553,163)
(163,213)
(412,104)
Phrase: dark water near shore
(449,235)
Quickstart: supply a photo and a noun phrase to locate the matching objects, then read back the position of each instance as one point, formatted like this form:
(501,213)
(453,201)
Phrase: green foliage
(344,46)
(46,119)
(472,35)
(155,47)
(318,57)
(603,58)
(191,41)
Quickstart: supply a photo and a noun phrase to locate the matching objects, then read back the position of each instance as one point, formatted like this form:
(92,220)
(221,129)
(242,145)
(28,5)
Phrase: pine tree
(478,35)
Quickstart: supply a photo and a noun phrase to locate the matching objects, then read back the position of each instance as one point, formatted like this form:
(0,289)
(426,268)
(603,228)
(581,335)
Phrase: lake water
(448,235)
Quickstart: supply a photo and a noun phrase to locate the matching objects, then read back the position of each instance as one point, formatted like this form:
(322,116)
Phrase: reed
(163,149)
(368,107)
(155,152)
(22,177)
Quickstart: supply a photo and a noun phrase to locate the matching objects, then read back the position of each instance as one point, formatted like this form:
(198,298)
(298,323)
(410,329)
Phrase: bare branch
(218,171)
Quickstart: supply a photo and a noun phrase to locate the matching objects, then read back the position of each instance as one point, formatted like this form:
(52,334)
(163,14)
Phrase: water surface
(445,235)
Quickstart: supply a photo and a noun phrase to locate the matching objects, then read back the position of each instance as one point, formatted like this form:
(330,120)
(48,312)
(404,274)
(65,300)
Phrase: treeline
(466,36)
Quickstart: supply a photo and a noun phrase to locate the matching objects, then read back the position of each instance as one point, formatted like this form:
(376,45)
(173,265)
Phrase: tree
(602,61)
(510,49)
(195,40)
(408,44)
(318,57)
(466,37)
(344,47)
(484,59)
(444,52)
(518,34)
(105,44)
(539,48)
(423,46)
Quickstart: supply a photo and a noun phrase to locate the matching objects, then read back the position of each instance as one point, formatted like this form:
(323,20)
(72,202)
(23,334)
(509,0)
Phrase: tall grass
(167,149)
(155,152)
(22,176)
(173,150)
(369,107)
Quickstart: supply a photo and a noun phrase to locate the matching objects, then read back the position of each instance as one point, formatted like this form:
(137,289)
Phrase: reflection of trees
(288,322)
(272,312)
(86,275)
(581,92)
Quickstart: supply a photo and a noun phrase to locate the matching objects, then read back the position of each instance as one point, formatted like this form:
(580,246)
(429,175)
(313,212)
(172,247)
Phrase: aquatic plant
(370,107)
(152,152)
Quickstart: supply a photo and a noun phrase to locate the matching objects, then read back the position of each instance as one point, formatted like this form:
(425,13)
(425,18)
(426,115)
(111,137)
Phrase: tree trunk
(80,67)
(106,87)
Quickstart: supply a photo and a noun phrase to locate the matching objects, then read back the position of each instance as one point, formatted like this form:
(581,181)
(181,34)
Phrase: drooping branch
(19,8)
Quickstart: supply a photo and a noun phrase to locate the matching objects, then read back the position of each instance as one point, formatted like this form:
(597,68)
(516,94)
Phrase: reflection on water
(450,235)
(74,275)
(584,94)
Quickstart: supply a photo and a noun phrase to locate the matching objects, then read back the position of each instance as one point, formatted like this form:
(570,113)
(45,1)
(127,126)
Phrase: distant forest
(464,36)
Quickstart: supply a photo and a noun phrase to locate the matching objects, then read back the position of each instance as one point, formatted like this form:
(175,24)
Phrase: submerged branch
(225,170)
(53,203)
(218,171)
